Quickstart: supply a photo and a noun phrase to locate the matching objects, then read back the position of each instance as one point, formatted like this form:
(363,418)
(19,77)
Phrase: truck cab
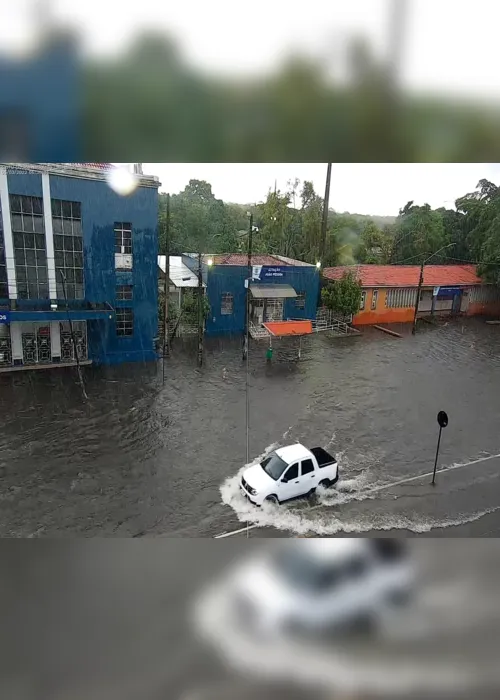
(287,473)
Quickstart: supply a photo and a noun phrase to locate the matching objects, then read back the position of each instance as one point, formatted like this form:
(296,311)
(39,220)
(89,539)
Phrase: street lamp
(210,262)
(318,264)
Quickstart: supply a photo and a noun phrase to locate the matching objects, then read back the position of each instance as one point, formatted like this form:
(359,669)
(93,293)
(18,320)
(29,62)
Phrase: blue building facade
(281,289)
(40,103)
(72,249)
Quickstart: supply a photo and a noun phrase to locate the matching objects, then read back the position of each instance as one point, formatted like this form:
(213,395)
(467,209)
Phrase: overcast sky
(380,188)
(449,45)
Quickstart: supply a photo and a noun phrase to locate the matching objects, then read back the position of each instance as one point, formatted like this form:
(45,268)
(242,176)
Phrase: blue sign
(448,291)
(269,272)
(4,317)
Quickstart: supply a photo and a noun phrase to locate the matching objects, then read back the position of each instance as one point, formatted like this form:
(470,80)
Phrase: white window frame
(374,299)
(363,301)
(227,304)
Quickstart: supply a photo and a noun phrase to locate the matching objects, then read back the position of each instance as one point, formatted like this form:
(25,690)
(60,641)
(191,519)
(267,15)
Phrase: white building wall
(49,236)
(15,341)
(55,339)
(7,234)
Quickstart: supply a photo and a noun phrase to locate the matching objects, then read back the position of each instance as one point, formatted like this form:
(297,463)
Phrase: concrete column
(55,339)
(49,236)
(7,234)
(15,341)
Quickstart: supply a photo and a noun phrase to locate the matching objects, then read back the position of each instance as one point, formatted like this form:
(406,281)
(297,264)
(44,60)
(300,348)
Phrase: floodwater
(141,458)
(109,620)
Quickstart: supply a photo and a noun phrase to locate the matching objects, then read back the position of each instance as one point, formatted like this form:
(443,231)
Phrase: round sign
(442,419)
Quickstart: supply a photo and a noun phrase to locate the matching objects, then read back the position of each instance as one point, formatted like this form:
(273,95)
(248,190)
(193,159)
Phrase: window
(124,292)
(273,465)
(374,299)
(30,253)
(226,306)
(123,238)
(307,466)
(363,301)
(300,300)
(4,287)
(292,472)
(124,322)
(68,248)
(399,298)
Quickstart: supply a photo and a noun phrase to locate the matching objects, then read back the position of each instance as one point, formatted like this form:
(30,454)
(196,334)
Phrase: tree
(311,213)
(343,296)
(418,233)
(482,227)
(374,245)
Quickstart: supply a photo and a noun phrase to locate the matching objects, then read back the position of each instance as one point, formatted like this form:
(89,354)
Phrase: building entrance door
(36,345)
(274,310)
(67,346)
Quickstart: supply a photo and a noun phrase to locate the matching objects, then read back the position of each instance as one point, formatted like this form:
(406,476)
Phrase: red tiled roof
(242,259)
(408,275)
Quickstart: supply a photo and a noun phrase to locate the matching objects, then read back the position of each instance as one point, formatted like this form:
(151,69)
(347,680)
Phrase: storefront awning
(283,328)
(59,315)
(272,291)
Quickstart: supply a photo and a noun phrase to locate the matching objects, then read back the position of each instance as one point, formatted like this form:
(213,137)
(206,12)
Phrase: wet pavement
(111,620)
(144,459)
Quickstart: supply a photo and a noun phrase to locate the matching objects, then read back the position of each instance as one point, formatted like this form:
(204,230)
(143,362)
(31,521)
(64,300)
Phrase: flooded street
(144,459)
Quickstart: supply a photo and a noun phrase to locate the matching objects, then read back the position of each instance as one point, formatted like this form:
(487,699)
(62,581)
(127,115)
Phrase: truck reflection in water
(368,616)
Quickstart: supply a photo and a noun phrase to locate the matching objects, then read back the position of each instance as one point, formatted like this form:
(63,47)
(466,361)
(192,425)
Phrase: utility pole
(200,313)
(73,339)
(417,300)
(421,281)
(324,222)
(246,332)
(166,339)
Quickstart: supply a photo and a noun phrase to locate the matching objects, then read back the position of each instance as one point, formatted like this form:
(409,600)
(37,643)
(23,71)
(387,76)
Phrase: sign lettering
(4,317)
(272,272)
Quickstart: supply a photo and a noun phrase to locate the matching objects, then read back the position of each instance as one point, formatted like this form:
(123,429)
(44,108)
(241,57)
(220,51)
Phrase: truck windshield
(273,465)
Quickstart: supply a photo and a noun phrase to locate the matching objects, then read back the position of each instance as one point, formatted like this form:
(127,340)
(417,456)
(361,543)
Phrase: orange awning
(281,328)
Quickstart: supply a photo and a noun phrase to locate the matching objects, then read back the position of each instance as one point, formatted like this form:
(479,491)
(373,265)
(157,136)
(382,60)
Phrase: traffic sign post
(442,419)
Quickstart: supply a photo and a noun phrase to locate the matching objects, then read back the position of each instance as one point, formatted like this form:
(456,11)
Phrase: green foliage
(418,233)
(152,101)
(343,297)
(190,306)
(375,245)
(200,222)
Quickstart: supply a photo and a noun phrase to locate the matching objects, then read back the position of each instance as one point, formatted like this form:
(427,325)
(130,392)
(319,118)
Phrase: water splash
(322,516)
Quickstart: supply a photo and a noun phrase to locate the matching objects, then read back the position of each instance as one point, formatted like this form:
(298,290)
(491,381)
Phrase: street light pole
(166,339)
(200,313)
(247,304)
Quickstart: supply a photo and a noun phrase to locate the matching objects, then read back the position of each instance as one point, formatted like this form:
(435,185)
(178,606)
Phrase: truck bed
(323,458)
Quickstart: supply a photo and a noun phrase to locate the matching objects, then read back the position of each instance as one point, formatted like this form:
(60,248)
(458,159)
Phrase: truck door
(290,483)
(309,475)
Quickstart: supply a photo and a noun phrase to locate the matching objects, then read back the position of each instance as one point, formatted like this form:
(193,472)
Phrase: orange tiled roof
(408,275)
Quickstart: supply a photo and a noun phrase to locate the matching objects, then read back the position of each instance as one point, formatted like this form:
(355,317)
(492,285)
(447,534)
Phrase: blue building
(281,289)
(71,249)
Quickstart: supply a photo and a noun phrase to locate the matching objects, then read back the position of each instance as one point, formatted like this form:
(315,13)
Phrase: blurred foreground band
(150,102)
(115,620)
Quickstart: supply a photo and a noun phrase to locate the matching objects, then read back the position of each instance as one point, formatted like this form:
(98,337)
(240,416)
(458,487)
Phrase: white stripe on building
(7,234)
(49,236)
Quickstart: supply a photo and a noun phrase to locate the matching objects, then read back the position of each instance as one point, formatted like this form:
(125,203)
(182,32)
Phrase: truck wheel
(272,499)
(325,483)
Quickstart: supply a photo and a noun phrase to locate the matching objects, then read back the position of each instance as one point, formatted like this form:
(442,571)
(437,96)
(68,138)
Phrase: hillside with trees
(289,223)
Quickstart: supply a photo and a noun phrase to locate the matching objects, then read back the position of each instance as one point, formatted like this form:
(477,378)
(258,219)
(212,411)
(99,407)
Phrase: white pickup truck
(289,472)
